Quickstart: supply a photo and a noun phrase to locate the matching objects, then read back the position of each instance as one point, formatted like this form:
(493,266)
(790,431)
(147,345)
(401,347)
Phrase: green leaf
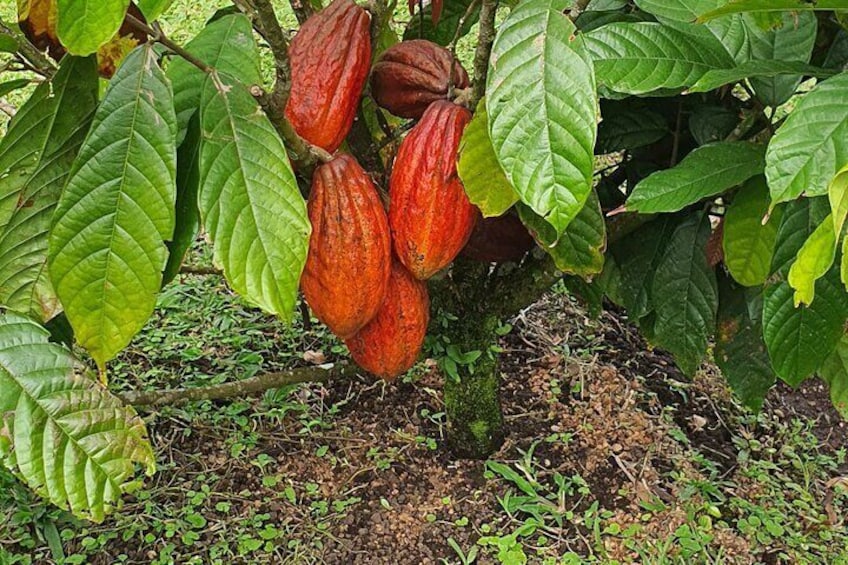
(187,214)
(765,69)
(35,159)
(13,85)
(84,25)
(8,44)
(792,41)
(638,255)
(709,123)
(73,442)
(580,249)
(638,58)
(421,26)
(729,32)
(748,242)
(707,171)
(685,294)
(740,351)
(107,247)
(152,9)
(812,144)
(740,6)
(835,373)
(227,45)
(800,339)
(542,105)
(478,167)
(249,199)
(814,260)
(627,125)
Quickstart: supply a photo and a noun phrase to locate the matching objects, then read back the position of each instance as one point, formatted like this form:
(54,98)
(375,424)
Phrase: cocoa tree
(686,161)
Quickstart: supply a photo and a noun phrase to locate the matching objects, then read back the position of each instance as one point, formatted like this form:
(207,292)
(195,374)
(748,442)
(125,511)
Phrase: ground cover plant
(422,180)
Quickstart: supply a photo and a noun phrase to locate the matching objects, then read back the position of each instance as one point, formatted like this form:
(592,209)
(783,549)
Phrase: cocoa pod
(411,75)
(330,57)
(389,345)
(347,268)
(430,216)
(499,240)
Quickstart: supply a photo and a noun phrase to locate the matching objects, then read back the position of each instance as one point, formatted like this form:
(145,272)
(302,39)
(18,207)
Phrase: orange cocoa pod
(330,57)
(389,345)
(347,268)
(411,75)
(499,240)
(430,216)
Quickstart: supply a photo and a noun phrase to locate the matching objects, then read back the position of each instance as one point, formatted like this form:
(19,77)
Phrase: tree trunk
(475,424)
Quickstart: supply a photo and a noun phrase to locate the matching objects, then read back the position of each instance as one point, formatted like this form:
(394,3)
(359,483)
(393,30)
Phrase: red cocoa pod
(347,268)
(499,240)
(411,75)
(389,345)
(330,57)
(430,216)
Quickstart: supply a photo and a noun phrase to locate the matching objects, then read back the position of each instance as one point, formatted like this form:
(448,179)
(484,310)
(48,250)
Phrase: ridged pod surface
(430,216)
(330,57)
(498,240)
(389,345)
(411,75)
(347,268)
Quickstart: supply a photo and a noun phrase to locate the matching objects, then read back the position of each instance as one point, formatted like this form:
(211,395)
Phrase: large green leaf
(227,45)
(812,145)
(791,42)
(580,249)
(707,171)
(638,58)
(628,125)
(84,25)
(107,246)
(542,105)
(740,351)
(685,294)
(152,9)
(774,74)
(249,199)
(61,432)
(835,373)
(638,256)
(800,339)
(741,6)
(35,158)
(421,26)
(748,242)
(478,167)
(187,214)
(730,32)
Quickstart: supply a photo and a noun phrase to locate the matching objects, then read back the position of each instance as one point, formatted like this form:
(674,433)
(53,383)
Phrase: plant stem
(196,270)
(159,36)
(485,38)
(28,53)
(246,387)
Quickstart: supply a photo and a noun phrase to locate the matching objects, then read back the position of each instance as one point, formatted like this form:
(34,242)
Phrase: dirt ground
(586,398)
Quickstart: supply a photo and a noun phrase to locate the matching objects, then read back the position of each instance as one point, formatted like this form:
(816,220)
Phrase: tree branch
(303,10)
(28,53)
(197,270)
(486,37)
(246,387)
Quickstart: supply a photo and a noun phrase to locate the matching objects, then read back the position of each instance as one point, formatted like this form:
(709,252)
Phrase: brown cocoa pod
(390,343)
(430,216)
(330,56)
(499,240)
(411,75)
(347,268)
